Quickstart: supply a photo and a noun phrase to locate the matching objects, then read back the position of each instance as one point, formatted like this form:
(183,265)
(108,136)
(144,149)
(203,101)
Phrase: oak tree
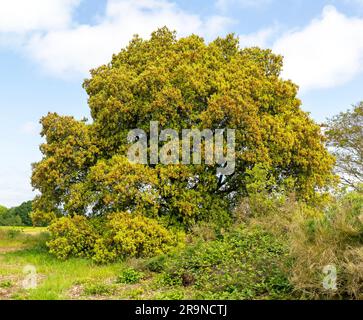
(183,84)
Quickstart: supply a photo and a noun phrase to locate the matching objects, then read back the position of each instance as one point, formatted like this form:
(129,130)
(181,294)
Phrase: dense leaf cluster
(182,84)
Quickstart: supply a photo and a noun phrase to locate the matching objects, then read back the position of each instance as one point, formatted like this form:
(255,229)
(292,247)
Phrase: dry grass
(335,239)
(331,235)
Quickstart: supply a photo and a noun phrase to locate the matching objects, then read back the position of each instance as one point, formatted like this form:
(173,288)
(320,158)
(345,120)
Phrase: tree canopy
(181,83)
(3,209)
(16,216)
(345,136)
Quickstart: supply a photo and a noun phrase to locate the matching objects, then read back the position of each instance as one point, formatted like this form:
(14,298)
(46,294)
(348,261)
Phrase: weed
(129,276)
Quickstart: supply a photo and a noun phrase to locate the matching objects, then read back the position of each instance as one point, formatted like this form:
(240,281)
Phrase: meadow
(80,278)
(72,279)
(276,249)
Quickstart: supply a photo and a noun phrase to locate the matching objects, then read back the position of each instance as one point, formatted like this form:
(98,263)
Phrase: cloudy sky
(48,46)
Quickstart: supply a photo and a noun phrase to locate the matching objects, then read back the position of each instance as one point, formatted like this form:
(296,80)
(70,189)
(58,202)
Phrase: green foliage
(8,219)
(116,185)
(183,84)
(72,236)
(132,236)
(263,195)
(23,211)
(345,136)
(330,234)
(285,229)
(277,254)
(247,263)
(157,263)
(42,218)
(17,216)
(130,276)
(68,153)
(3,209)
(121,235)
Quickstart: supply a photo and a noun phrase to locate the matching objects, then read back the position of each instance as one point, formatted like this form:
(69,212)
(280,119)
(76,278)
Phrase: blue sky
(48,46)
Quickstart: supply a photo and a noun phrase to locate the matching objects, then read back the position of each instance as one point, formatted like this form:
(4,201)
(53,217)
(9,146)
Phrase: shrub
(103,253)
(156,264)
(72,236)
(129,235)
(329,234)
(246,263)
(122,235)
(130,276)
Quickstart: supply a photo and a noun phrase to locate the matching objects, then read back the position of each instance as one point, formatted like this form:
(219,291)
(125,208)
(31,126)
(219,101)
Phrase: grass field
(71,279)
(25,230)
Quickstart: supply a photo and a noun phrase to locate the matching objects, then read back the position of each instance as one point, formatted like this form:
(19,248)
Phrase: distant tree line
(16,216)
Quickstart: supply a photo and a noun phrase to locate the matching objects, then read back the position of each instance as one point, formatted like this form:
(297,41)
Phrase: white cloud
(215,24)
(77,49)
(260,38)
(326,53)
(22,16)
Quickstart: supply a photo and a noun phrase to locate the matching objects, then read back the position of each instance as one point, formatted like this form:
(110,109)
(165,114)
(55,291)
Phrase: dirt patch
(75,292)
(9,285)
(10,249)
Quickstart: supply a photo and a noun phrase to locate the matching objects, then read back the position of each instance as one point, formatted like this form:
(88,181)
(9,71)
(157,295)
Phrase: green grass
(59,276)
(226,268)
(56,280)
(15,238)
(26,230)
(25,247)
